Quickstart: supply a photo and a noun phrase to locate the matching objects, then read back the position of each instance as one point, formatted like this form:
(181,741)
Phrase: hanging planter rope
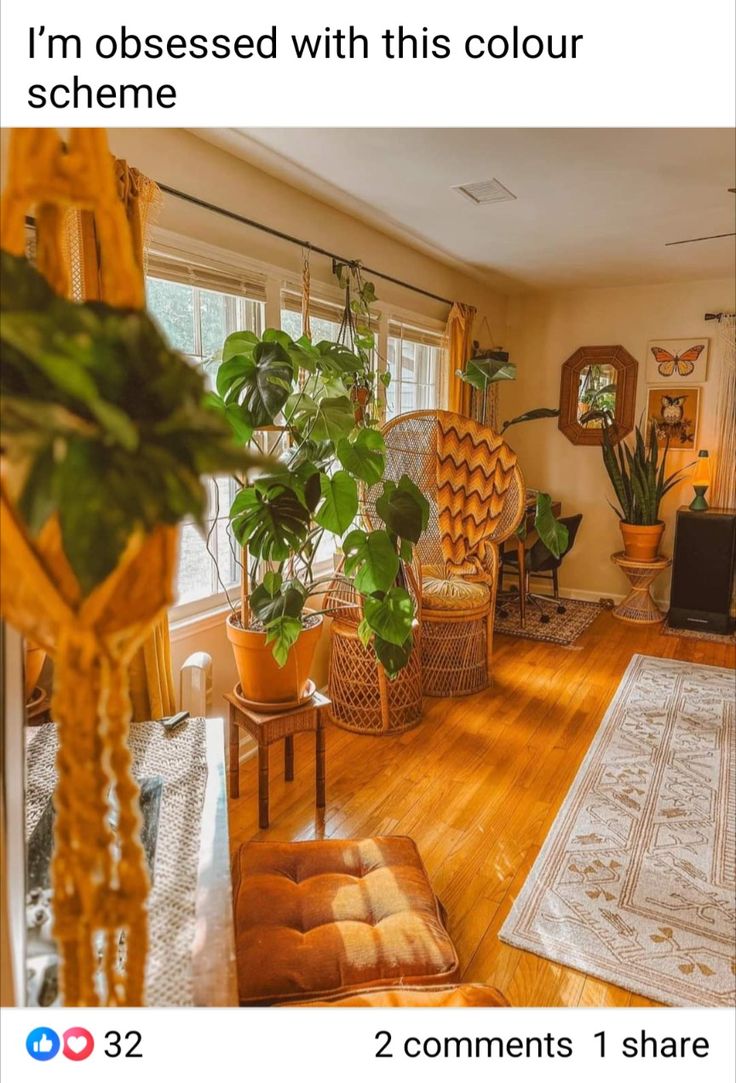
(91,619)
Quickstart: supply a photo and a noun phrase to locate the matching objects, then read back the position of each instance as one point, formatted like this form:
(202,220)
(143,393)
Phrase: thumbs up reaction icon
(43,1043)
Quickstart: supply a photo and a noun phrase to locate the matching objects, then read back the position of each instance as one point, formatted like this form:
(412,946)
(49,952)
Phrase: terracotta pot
(641,542)
(261,679)
(34,660)
(360,397)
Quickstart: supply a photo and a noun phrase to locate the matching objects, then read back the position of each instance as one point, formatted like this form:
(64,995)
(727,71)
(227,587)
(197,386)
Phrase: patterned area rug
(635,881)
(179,759)
(563,628)
(693,633)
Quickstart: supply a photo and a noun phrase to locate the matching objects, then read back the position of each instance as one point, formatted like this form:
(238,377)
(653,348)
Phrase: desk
(520,544)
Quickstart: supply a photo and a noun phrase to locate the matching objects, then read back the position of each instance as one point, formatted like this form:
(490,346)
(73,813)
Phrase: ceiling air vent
(487,191)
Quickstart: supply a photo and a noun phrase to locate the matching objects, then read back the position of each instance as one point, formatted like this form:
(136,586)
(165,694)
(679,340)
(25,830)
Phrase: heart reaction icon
(78,1043)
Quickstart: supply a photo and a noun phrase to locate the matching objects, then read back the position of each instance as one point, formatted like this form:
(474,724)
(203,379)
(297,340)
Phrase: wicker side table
(363,698)
(638,607)
(267,728)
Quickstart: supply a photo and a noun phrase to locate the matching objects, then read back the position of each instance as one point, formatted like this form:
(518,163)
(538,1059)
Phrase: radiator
(195,685)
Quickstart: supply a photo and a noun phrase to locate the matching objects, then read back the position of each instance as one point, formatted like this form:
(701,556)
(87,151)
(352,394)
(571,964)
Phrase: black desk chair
(543,565)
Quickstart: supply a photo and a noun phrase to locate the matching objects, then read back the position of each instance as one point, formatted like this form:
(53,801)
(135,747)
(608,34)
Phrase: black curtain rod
(717,315)
(295,240)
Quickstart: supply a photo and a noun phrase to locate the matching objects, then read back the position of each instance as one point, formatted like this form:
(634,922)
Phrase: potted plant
(325,450)
(638,477)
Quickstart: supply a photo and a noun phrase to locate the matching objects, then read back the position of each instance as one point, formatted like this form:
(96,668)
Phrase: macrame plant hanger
(99,875)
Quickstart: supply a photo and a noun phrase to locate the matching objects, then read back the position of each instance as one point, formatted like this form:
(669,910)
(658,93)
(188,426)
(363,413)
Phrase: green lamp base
(699,503)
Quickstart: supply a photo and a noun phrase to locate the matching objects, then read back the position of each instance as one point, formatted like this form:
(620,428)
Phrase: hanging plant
(104,425)
(356,331)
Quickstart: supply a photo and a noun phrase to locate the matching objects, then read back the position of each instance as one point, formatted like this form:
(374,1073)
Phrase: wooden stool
(273,726)
(638,607)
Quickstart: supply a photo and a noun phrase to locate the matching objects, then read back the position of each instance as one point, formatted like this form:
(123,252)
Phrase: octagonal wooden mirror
(597,378)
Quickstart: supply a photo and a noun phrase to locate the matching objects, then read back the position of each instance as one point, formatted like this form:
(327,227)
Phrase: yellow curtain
(459,338)
(151,676)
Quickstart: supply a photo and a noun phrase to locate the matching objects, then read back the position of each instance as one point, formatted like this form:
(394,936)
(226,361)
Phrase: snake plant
(637,474)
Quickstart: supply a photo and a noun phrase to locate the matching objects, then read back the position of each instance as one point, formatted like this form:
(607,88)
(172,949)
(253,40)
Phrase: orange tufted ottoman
(321,918)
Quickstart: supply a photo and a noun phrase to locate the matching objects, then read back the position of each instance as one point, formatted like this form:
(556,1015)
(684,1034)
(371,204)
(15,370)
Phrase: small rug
(635,882)
(563,628)
(693,633)
(179,759)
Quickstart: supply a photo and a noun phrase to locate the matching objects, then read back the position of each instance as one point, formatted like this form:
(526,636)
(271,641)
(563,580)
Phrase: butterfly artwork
(681,359)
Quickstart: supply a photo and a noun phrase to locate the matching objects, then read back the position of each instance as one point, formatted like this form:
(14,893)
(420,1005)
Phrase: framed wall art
(682,360)
(674,411)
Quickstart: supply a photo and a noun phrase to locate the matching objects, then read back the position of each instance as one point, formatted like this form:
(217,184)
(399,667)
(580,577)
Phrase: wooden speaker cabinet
(703,570)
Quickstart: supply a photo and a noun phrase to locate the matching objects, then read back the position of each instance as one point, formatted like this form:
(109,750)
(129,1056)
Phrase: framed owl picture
(682,360)
(674,409)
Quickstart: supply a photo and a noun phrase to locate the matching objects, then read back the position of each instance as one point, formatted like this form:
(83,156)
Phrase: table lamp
(701,481)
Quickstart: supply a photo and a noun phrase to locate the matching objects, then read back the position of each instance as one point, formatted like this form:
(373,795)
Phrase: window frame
(250,313)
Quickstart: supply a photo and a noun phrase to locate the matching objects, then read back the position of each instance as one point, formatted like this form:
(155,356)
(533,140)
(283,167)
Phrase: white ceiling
(594,206)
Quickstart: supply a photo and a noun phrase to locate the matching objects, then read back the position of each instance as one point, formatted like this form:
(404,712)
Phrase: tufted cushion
(466,995)
(317,918)
(440,591)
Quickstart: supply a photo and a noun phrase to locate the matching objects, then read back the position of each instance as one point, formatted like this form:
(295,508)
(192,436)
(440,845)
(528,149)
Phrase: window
(415,364)
(196,320)
(324,318)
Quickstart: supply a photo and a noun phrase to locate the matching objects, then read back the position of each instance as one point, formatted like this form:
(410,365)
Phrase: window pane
(214,309)
(172,306)
(414,369)
(197,322)
(194,577)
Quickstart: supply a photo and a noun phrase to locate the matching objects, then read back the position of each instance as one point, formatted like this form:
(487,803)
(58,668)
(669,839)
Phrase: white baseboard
(590,595)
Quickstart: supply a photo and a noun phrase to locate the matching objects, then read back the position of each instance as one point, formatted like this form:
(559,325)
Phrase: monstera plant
(327,447)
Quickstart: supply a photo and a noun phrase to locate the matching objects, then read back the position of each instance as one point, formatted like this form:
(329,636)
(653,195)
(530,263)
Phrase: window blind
(291,301)
(207,274)
(409,333)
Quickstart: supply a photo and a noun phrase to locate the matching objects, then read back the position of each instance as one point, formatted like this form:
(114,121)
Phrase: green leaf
(240,342)
(530,415)
(335,419)
(365,633)
(266,382)
(480,372)
(390,616)
(553,533)
(283,633)
(363,458)
(271,520)
(288,601)
(392,657)
(403,508)
(373,558)
(339,502)
(272,583)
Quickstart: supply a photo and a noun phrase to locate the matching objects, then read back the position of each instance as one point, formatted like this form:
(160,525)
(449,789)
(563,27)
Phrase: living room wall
(544,329)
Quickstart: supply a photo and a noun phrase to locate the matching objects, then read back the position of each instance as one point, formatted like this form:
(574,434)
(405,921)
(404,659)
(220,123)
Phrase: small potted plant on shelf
(324,450)
(638,477)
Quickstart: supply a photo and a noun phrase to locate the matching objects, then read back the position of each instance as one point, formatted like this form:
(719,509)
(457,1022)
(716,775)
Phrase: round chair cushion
(440,591)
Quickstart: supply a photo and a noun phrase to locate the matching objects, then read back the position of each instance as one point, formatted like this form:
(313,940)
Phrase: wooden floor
(477,785)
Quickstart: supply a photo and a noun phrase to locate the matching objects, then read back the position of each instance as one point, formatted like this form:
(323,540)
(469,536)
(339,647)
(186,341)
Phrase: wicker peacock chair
(457,612)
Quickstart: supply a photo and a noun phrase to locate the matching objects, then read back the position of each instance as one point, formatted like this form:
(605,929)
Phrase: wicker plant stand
(638,607)
(455,651)
(363,698)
